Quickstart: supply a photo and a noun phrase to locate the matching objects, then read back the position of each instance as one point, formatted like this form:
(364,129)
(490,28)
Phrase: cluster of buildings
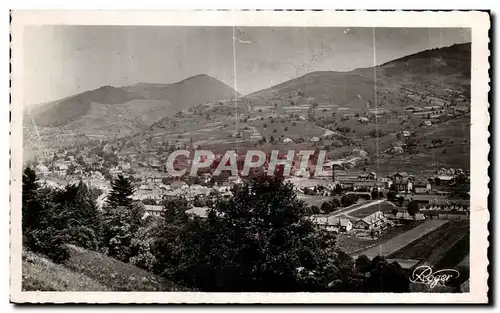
(342,224)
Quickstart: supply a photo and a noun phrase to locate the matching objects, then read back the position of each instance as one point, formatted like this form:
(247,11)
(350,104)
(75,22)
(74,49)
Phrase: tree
(386,277)
(315,209)
(413,208)
(40,223)
(80,217)
(327,207)
(347,200)
(121,220)
(338,189)
(260,240)
(411,145)
(121,192)
(391,195)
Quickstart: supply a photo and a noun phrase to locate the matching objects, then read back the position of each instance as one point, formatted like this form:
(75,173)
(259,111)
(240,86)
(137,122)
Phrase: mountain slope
(443,68)
(329,104)
(111,112)
(177,96)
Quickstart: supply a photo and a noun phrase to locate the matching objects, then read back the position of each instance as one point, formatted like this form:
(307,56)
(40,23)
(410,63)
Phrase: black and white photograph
(240,158)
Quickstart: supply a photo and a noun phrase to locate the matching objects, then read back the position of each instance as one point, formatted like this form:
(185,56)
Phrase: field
(88,271)
(433,246)
(387,248)
(385,207)
(446,247)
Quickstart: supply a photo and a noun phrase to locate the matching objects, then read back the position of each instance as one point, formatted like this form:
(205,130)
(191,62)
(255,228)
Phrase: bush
(315,209)
(336,202)
(391,195)
(327,207)
(347,200)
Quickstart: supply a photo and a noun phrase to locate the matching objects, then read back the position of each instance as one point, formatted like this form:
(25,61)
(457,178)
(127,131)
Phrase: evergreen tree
(41,223)
(121,219)
(81,217)
(121,192)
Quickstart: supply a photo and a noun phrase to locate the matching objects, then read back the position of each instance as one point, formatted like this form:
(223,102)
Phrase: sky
(60,61)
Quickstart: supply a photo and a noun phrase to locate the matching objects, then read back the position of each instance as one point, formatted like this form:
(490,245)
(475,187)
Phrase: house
(359,152)
(42,169)
(404,133)
(153,210)
(314,139)
(287,140)
(363,120)
(402,181)
(331,223)
(443,180)
(372,221)
(427,123)
(422,187)
(394,149)
(368,176)
(199,211)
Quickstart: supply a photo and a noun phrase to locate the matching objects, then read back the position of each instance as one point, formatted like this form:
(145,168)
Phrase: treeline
(259,240)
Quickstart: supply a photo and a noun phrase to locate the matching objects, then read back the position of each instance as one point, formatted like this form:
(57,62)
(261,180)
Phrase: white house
(363,120)
(287,140)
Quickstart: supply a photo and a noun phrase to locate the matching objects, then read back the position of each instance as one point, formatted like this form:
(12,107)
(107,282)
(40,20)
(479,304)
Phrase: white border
(477,21)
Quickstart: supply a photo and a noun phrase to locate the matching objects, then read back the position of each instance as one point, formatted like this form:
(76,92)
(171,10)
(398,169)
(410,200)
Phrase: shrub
(347,200)
(327,207)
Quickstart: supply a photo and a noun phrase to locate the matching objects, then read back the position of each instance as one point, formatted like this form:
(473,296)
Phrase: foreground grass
(40,274)
(88,271)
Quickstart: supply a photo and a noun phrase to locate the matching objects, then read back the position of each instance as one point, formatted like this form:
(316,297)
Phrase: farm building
(371,221)
(422,187)
(427,123)
(331,223)
(314,139)
(287,140)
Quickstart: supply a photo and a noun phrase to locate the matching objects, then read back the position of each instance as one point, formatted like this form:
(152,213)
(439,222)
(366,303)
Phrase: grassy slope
(88,271)
(40,274)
